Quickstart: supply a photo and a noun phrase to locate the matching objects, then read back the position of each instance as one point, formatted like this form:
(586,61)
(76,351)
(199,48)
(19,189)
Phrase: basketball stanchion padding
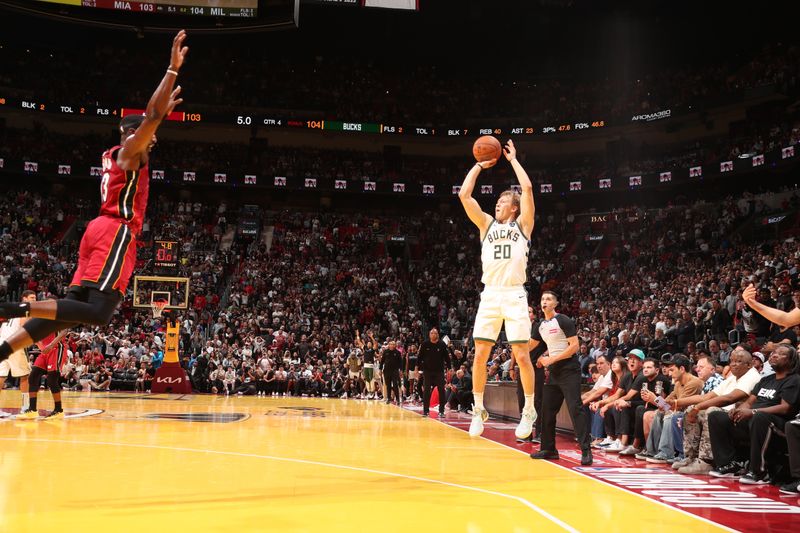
(170,377)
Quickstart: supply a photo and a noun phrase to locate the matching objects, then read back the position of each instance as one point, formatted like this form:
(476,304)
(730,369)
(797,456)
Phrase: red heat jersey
(47,341)
(124,193)
(54,359)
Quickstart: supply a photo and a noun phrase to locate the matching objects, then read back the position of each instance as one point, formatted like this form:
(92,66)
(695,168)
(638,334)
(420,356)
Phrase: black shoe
(586,457)
(755,478)
(441,415)
(791,488)
(425,413)
(732,470)
(545,454)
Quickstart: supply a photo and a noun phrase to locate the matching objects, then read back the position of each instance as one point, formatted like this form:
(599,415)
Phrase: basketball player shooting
(505,240)
(108,248)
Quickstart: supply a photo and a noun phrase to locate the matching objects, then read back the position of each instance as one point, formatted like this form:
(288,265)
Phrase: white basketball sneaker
(525,427)
(479,416)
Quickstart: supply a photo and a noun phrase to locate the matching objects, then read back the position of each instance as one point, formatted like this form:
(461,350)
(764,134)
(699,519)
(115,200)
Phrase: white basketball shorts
(17,364)
(499,305)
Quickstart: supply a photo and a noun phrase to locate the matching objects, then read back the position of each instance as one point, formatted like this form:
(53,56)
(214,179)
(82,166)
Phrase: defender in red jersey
(49,362)
(108,248)
(53,353)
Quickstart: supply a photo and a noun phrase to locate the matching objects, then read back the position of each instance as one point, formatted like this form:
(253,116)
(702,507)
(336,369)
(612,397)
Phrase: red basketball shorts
(107,255)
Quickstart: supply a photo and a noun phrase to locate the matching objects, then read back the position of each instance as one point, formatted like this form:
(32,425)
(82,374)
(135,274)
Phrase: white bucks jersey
(504,255)
(8,328)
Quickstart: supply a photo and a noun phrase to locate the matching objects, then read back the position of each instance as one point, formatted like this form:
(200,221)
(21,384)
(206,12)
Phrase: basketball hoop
(158,308)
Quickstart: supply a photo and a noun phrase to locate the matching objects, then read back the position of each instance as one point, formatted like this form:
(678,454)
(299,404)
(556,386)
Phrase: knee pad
(54,382)
(35,377)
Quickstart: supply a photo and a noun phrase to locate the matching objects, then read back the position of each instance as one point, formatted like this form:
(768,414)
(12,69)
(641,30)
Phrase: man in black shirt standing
(559,333)
(720,320)
(411,373)
(392,364)
(772,403)
(434,359)
(686,331)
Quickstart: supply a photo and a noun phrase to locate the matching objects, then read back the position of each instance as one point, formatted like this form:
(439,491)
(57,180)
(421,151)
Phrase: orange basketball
(487,148)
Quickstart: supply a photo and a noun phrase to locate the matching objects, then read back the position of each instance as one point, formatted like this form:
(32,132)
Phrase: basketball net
(158,308)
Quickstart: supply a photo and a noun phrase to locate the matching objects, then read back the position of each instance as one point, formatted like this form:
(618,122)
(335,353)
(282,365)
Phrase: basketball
(486,148)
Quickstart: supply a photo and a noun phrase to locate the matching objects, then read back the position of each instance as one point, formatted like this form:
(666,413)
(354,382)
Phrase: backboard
(149,289)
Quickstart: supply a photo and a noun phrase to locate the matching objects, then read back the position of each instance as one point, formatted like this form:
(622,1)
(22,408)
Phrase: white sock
(478,400)
(26,401)
(528,403)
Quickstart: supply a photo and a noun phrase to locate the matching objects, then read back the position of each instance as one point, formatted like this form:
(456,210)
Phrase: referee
(559,334)
(434,359)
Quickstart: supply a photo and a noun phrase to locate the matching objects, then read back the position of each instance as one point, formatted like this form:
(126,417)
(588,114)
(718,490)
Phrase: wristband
(173,72)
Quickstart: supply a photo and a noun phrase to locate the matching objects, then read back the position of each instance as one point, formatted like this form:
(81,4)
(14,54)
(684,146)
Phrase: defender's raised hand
(178,51)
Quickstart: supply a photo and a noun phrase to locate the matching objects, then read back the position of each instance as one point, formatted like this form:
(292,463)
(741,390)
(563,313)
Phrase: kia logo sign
(169,380)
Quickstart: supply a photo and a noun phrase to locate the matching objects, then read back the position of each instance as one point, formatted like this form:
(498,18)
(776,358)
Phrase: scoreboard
(167,255)
(209,8)
(251,120)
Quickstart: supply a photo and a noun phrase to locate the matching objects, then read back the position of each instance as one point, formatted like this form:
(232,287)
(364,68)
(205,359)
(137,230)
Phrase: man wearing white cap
(762,365)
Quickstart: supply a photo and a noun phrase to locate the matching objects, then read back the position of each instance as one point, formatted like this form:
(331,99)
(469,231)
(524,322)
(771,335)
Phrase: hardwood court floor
(203,463)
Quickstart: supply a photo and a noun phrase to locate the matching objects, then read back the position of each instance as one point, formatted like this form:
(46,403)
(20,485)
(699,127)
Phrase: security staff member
(434,359)
(559,333)
(392,366)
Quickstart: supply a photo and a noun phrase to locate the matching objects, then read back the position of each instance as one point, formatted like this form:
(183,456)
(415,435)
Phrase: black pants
(612,422)
(631,421)
(638,429)
(465,399)
(538,395)
(564,385)
(452,399)
(761,433)
(199,383)
(433,380)
(392,377)
(793,441)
